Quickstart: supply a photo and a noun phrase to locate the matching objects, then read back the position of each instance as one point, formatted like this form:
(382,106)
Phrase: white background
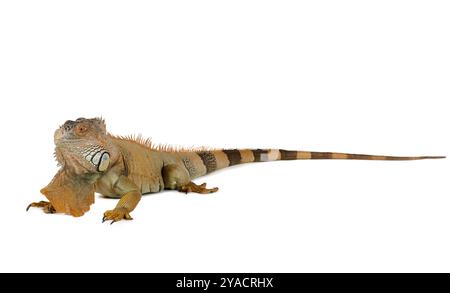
(351,76)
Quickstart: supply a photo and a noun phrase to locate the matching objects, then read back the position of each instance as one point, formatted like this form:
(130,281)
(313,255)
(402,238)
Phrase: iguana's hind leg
(45,205)
(177,178)
(192,187)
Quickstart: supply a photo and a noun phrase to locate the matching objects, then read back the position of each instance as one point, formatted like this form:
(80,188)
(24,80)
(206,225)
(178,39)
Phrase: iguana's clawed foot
(116,215)
(192,187)
(45,205)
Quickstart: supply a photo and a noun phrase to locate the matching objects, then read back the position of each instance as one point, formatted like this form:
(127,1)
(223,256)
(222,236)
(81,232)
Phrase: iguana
(92,160)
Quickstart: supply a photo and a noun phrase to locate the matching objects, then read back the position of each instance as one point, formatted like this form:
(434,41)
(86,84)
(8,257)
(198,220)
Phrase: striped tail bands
(218,159)
(302,155)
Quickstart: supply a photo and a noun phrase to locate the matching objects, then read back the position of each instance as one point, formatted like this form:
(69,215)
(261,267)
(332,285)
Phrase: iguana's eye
(81,129)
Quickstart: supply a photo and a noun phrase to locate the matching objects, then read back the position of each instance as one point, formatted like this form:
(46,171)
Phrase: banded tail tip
(421,157)
(434,157)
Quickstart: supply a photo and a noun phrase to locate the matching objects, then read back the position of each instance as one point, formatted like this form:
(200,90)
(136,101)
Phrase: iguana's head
(83,145)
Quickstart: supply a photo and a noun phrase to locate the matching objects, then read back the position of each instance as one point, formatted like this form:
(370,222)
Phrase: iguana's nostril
(68,125)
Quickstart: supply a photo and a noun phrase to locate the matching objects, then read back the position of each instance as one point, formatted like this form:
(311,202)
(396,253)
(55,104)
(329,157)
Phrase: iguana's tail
(218,159)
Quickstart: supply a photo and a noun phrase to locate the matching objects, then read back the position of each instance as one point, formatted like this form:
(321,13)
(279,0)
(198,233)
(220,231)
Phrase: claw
(116,215)
(45,205)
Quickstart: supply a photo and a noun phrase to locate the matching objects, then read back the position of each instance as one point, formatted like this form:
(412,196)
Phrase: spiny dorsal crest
(147,142)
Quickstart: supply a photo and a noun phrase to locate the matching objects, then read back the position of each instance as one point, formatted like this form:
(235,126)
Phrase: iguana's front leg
(68,193)
(130,197)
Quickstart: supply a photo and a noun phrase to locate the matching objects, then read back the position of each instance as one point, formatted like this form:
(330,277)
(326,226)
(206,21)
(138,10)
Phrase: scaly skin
(93,160)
